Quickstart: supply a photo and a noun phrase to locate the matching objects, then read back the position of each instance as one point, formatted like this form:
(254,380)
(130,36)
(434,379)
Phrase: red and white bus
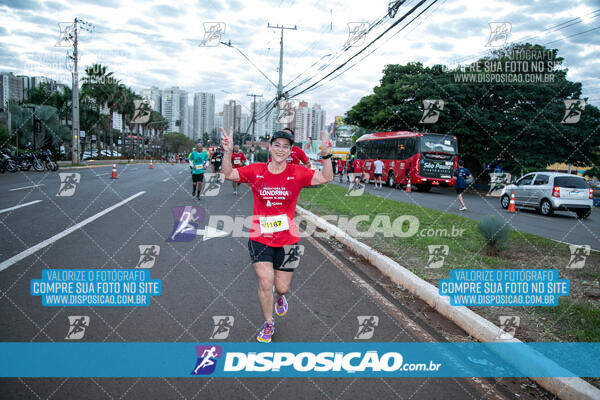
(428,159)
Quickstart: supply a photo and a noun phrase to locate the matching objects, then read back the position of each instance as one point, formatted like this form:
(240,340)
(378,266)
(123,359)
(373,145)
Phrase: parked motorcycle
(46,156)
(8,161)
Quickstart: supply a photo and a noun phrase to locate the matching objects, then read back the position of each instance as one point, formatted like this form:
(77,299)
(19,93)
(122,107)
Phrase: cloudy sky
(155,43)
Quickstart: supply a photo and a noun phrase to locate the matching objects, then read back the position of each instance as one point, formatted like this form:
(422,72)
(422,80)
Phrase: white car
(551,191)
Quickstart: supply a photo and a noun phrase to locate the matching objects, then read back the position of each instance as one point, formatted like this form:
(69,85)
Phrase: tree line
(520,126)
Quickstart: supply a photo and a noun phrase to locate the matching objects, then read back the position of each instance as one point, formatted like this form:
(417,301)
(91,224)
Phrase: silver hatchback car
(551,191)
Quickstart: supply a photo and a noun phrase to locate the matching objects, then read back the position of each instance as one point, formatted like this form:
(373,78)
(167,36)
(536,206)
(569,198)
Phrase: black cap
(283,135)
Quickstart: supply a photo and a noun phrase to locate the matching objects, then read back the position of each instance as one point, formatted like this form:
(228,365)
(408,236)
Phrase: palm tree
(101,85)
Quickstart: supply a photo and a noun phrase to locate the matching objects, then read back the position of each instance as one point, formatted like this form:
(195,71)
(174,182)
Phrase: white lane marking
(166,179)
(26,253)
(103,174)
(26,187)
(19,206)
(181,172)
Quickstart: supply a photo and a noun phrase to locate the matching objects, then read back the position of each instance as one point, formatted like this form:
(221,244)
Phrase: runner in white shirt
(378,172)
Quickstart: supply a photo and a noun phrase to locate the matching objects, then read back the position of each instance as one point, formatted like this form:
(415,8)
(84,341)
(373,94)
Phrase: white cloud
(148,43)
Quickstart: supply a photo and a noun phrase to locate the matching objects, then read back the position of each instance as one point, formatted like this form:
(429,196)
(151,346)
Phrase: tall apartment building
(174,108)
(153,97)
(203,114)
(232,115)
(218,121)
(266,118)
(317,121)
(11,88)
(301,123)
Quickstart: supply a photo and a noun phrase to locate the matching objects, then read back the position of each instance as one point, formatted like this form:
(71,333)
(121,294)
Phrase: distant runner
(461,174)
(340,169)
(197,159)
(275,186)
(237,159)
(216,159)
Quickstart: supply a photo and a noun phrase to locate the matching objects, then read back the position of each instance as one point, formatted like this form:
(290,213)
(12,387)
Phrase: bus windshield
(438,143)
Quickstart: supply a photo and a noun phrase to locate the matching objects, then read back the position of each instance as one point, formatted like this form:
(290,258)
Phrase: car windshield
(573,182)
(439,143)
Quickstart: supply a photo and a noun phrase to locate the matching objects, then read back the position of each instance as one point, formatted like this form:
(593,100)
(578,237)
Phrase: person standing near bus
(378,171)
(275,186)
(238,159)
(340,169)
(461,174)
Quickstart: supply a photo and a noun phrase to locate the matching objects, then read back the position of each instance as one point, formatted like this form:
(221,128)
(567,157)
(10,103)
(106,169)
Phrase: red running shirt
(357,166)
(238,159)
(340,165)
(275,197)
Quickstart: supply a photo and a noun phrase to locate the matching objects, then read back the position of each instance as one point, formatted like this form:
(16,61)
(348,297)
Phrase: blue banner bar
(225,359)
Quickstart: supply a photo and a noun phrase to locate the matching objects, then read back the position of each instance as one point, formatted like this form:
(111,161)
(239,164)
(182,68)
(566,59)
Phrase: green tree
(516,125)
(177,143)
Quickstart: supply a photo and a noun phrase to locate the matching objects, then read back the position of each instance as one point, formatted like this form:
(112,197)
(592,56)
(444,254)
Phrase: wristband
(327,156)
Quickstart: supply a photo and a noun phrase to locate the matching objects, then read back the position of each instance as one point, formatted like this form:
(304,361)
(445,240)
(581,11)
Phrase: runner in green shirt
(197,159)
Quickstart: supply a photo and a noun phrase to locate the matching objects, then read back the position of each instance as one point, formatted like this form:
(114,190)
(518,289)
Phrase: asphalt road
(201,279)
(562,226)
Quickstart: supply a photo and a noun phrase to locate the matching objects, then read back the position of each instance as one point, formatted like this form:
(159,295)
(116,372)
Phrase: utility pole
(253,123)
(75,87)
(280,83)
(75,101)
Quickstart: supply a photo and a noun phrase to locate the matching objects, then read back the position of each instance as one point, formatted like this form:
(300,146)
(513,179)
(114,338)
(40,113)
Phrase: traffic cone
(151,167)
(114,172)
(408,188)
(511,205)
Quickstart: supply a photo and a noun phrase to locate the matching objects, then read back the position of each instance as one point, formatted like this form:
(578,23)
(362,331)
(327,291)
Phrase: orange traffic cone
(408,188)
(114,172)
(151,167)
(511,205)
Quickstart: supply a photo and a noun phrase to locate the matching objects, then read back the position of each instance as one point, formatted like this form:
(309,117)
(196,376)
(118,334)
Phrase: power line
(367,46)
(374,50)
(337,55)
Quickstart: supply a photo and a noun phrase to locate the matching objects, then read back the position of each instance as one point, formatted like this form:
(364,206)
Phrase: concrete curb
(472,323)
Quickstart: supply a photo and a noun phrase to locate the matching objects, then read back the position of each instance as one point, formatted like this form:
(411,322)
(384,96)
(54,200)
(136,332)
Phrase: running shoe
(462,209)
(265,334)
(281,305)
(194,191)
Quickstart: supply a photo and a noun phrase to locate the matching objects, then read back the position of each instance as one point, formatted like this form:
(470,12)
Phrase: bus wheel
(390,180)
(424,188)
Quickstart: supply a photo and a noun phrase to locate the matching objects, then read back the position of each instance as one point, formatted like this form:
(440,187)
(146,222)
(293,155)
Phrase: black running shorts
(278,256)
(197,178)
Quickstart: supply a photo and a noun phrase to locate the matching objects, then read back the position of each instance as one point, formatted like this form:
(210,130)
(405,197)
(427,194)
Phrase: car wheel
(583,214)
(505,201)
(390,180)
(546,208)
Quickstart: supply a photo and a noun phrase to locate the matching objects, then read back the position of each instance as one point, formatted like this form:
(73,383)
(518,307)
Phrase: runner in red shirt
(297,156)
(238,159)
(275,186)
(339,165)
